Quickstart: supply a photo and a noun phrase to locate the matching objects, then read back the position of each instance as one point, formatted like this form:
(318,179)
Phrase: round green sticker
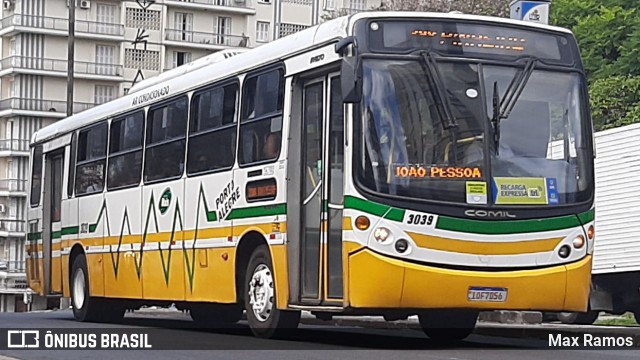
(165,201)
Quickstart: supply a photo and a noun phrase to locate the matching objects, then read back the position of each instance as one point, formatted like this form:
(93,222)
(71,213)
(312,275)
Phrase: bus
(386,163)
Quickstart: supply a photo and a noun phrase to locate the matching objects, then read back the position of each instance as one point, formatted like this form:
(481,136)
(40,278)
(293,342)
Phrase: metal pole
(71,55)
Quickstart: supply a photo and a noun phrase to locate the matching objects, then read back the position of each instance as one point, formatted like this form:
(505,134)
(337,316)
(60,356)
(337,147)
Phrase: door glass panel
(335,176)
(56,191)
(312,189)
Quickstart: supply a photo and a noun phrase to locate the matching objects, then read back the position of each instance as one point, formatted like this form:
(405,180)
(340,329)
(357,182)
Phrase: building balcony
(12,228)
(17,23)
(203,40)
(39,108)
(14,147)
(13,187)
(240,7)
(57,67)
(14,282)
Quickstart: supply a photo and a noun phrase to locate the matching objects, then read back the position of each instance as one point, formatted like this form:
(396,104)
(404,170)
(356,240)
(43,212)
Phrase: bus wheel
(214,315)
(448,325)
(85,307)
(578,318)
(265,319)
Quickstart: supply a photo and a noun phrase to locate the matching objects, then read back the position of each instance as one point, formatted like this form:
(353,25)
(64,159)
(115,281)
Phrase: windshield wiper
(446,116)
(502,108)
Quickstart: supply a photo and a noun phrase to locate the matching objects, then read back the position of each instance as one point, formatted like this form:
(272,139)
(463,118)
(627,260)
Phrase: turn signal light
(362,223)
(591,233)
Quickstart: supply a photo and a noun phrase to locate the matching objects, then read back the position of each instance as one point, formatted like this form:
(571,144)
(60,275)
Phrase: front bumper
(377,281)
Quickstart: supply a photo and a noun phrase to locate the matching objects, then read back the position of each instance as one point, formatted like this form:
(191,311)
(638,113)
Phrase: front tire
(264,318)
(448,325)
(87,308)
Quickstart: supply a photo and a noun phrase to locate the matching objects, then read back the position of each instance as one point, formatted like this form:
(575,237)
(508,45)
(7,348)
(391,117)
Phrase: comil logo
(23,339)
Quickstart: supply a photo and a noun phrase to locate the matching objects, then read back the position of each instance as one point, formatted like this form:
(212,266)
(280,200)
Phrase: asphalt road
(308,342)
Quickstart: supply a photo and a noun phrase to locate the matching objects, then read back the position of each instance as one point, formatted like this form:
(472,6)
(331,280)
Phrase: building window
(262,31)
(288,29)
(12,87)
(105,58)
(106,19)
(138,18)
(330,4)
(184,26)
(264,1)
(104,93)
(92,153)
(142,59)
(358,4)
(224,28)
(165,144)
(181,58)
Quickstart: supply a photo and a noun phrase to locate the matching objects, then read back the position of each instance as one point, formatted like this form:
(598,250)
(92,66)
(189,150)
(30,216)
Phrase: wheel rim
(78,289)
(261,292)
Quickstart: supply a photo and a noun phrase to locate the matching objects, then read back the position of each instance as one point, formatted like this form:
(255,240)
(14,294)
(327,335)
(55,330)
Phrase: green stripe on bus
(351,202)
(256,211)
(588,216)
(34,236)
(476,226)
(71,230)
(56,234)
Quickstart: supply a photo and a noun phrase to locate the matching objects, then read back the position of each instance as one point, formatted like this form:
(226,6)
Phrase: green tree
(615,101)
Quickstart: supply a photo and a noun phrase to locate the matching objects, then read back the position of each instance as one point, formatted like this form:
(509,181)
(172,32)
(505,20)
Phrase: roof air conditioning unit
(85,4)
(7,4)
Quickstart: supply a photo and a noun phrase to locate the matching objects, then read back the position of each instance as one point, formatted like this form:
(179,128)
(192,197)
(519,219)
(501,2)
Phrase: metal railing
(12,225)
(14,145)
(80,67)
(52,23)
(231,3)
(42,105)
(196,37)
(13,185)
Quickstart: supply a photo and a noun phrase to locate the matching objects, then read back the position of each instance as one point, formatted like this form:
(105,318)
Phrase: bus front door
(321,202)
(52,230)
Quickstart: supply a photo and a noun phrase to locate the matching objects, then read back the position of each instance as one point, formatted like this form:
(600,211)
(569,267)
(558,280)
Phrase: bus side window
(125,151)
(261,123)
(90,160)
(212,130)
(36,176)
(164,151)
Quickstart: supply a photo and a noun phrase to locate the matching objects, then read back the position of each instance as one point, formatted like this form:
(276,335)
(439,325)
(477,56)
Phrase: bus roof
(213,68)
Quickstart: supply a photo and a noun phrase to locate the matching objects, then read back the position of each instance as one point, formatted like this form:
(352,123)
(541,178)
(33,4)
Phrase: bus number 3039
(417,219)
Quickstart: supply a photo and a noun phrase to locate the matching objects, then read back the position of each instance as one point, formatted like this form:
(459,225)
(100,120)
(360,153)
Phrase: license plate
(487,294)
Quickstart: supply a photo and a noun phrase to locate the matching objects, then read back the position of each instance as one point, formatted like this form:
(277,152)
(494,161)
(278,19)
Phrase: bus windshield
(536,156)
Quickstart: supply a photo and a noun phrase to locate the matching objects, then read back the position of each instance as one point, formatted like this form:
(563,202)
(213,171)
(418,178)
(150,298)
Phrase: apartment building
(117,43)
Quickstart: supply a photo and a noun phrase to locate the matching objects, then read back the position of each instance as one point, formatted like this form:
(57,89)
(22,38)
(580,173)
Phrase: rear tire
(264,318)
(87,308)
(579,318)
(448,325)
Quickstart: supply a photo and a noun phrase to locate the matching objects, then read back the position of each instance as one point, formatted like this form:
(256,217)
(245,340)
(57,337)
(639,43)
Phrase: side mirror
(350,81)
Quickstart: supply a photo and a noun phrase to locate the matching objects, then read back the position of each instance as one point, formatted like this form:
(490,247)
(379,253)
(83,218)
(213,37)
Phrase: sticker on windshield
(476,192)
(521,191)
(552,191)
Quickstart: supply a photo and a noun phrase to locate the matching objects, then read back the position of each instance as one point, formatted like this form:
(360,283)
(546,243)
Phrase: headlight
(381,234)
(578,242)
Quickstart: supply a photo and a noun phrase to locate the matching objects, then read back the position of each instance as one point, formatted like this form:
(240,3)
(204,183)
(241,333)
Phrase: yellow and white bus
(386,163)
